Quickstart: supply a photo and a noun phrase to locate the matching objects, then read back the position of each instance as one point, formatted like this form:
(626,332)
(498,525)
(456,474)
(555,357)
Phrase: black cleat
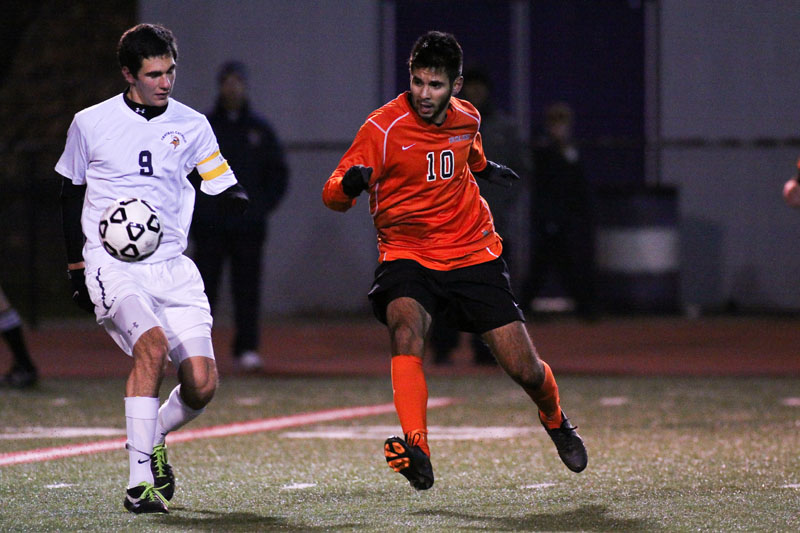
(163,478)
(410,461)
(569,444)
(144,498)
(19,378)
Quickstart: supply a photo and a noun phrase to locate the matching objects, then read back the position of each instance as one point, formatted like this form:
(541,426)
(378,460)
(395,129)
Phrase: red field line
(225,430)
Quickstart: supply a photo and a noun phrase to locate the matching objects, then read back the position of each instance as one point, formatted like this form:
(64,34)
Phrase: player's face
(153,83)
(430,93)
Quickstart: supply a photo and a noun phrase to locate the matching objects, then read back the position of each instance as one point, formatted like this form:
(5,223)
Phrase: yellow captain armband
(212,166)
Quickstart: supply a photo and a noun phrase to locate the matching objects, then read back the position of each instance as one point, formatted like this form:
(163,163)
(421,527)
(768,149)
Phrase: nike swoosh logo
(141,462)
(407,147)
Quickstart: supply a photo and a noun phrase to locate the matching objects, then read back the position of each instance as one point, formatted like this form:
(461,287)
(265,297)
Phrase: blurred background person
(561,221)
(502,143)
(256,155)
(23,372)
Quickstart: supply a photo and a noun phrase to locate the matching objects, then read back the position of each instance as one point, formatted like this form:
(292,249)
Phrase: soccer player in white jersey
(143,144)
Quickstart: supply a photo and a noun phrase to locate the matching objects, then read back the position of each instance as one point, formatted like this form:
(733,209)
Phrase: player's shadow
(232,521)
(585,518)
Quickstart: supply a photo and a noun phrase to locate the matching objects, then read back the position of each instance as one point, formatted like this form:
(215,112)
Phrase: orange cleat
(410,461)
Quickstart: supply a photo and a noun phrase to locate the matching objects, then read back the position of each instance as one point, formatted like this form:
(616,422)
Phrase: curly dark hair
(144,41)
(437,50)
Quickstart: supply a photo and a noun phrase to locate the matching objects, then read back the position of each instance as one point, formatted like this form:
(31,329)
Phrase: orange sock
(411,399)
(546,399)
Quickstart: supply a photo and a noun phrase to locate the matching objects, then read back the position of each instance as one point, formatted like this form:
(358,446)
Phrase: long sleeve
(71,209)
(364,151)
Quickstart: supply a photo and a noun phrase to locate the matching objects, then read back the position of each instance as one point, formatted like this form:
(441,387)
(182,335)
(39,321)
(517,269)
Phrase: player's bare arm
(791,189)
(791,193)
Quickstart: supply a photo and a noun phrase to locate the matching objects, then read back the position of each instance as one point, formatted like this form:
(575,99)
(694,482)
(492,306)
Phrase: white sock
(173,414)
(140,420)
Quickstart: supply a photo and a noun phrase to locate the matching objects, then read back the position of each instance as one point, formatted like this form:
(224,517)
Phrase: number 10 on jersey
(446,165)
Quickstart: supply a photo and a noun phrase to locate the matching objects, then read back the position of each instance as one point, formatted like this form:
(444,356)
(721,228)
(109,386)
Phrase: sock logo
(143,461)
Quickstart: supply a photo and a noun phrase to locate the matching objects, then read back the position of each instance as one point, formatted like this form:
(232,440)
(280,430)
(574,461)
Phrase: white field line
(60,433)
(614,401)
(59,486)
(539,486)
(298,486)
(226,430)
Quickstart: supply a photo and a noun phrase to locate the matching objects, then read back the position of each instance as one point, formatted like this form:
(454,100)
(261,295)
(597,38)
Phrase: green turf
(681,455)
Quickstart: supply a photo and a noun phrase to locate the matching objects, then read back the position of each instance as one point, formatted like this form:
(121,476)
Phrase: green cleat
(145,498)
(163,478)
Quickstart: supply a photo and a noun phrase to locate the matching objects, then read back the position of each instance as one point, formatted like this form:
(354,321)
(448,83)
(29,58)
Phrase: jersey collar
(147,111)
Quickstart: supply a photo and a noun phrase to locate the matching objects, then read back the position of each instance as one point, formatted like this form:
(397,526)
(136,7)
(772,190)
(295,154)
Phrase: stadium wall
(721,109)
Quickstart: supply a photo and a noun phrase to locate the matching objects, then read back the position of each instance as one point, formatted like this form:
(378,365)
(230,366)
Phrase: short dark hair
(437,50)
(144,41)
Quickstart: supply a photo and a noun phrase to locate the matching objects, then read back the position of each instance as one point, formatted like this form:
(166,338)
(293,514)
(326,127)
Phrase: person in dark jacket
(254,151)
(561,232)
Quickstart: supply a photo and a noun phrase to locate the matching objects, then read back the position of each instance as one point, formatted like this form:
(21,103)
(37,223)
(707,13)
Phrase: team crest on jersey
(459,138)
(175,138)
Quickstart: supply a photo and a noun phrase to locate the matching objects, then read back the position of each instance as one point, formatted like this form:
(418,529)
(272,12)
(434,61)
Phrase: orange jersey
(423,198)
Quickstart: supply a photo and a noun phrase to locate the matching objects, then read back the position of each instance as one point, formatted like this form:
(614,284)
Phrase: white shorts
(131,298)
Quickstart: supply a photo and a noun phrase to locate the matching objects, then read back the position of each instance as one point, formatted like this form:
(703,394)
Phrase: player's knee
(199,393)
(406,339)
(198,377)
(527,371)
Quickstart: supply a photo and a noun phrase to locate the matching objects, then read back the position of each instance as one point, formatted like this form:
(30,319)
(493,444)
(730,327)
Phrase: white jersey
(118,153)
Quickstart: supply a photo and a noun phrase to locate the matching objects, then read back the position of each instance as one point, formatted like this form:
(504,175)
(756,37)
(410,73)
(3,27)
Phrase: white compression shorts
(131,298)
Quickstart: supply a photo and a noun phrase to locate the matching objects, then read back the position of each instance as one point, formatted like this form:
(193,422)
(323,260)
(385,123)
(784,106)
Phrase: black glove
(355,180)
(234,200)
(497,174)
(80,294)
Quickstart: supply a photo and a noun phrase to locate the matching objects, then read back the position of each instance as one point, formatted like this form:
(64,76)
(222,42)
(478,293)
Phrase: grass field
(665,454)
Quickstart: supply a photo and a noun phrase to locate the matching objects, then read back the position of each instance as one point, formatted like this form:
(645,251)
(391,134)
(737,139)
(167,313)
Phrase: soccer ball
(130,230)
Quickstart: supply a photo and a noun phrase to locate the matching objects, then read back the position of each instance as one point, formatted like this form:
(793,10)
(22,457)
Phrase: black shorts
(475,299)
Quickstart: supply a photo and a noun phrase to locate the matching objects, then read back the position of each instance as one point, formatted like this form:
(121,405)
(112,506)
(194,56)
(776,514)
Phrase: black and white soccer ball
(130,230)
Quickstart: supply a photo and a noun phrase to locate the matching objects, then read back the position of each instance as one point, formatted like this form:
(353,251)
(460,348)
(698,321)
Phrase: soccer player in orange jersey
(418,157)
